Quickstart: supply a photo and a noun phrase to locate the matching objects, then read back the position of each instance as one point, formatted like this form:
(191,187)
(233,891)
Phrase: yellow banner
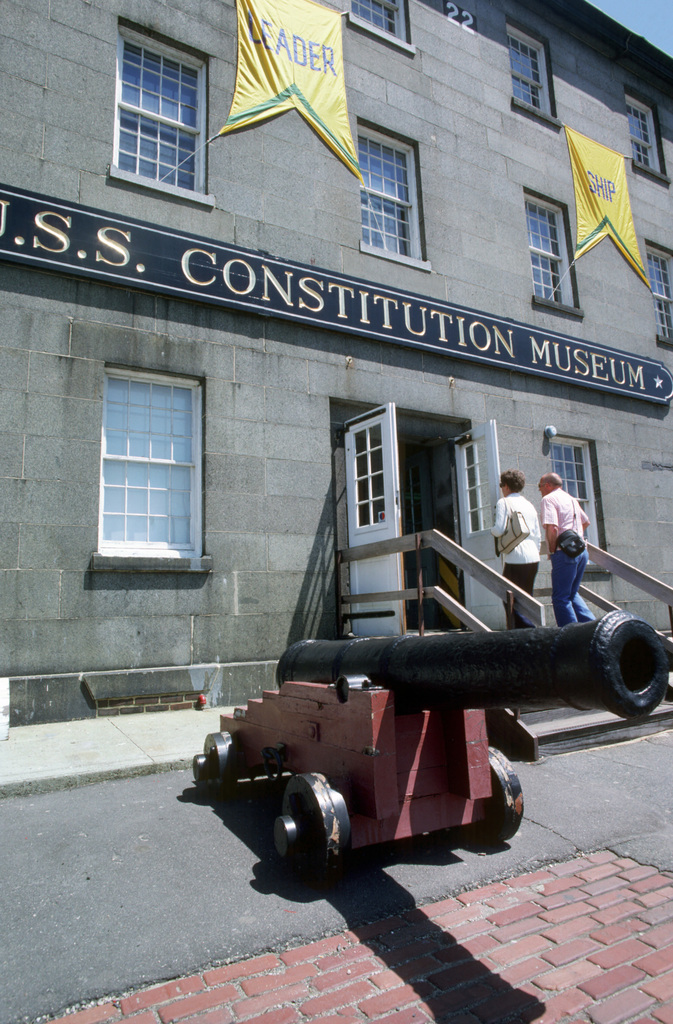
(602,199)
(290,55)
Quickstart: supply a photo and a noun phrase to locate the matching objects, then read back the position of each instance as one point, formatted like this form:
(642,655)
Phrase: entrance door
(478,469)
(373,498)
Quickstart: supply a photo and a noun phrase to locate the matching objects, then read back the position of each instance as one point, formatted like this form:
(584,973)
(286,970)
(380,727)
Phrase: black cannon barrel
(616,664)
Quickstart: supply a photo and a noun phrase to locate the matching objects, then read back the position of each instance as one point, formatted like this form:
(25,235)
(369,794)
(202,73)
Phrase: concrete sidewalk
(61,755)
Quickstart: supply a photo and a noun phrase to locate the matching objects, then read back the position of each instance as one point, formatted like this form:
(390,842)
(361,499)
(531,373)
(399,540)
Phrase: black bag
(570,543)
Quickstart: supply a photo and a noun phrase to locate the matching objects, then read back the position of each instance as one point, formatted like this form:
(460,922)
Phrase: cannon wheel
(314,829)
(504,808)
(217,764)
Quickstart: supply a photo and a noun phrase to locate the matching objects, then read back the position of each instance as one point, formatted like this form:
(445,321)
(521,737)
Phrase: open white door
(478,469)
(373,499)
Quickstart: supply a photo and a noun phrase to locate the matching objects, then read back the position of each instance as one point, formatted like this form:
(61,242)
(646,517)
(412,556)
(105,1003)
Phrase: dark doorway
(427,485)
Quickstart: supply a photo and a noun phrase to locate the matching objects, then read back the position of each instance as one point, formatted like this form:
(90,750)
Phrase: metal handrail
(513,597)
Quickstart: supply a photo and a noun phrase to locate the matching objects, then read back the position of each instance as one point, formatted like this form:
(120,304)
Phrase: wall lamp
(550,432)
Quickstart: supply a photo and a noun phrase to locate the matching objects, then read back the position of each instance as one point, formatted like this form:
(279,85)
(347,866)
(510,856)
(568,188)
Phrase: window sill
(664,341)
(380,33)
(534,112)
(556,307)
(149,563)
(649,172)
(158,186)
(408,261)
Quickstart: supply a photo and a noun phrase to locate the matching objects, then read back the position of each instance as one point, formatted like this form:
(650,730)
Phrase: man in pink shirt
(559,511)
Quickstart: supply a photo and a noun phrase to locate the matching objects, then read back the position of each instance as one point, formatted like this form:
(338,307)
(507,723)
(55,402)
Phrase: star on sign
(658,381)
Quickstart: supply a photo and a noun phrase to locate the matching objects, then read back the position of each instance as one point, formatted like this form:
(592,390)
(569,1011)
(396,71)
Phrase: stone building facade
(190,321)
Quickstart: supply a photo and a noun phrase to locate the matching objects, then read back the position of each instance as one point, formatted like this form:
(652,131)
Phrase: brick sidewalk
(589,940)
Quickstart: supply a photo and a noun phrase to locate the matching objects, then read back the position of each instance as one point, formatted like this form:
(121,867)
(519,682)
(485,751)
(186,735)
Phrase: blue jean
(566,576)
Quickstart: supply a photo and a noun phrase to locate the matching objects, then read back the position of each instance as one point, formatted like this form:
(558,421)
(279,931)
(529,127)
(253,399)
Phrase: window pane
(141,495)
(180,478)
(136,529)
(383,15)
(182,449)
(180,503)
(113,528)
(179,531)
(159,503)
(117,391)
(139,445)
(115,443)
(658,268)
(385,199)
(160,476)
(158,86)
(525,65)
(113,499)
(159,533)
(114,473)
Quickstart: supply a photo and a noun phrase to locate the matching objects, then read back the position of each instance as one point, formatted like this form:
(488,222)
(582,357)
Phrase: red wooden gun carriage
(385,738)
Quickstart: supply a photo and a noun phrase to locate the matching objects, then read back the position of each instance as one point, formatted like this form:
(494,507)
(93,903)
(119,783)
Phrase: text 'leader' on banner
(290,55)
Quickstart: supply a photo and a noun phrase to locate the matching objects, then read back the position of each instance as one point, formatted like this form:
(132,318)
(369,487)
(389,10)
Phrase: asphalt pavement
(118,875)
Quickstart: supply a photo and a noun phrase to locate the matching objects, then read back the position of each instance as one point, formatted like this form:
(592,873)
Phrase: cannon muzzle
(615,664)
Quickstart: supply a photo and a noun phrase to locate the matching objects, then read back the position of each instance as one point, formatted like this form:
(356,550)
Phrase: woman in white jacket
(521,563)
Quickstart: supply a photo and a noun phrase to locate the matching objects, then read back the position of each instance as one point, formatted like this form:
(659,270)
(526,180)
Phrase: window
(548,252)
(160,115)
(382,14)
(150,481)
(389,215)
(642,132)
(529,72)
(571,460)
(659,272)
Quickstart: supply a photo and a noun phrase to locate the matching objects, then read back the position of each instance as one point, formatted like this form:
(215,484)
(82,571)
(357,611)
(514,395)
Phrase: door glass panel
(369,475)
(478,502)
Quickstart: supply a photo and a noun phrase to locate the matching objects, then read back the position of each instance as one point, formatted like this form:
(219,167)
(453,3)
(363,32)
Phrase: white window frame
(580,455)
(410,204)
(561,293)
(381,16)
(198,131)
(158,549)
(522,81)
(660,273)
(643,135)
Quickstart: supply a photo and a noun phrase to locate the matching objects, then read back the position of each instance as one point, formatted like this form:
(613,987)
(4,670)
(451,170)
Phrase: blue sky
(652,19)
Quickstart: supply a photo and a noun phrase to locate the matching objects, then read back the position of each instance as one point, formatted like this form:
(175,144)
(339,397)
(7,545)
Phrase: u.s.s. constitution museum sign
(48,233)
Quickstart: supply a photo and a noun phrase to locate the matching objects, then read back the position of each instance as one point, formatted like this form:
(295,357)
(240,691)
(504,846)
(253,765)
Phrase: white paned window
(382,14)
(369,480)
(570,459)
(480,509)
(659,271)
(150,480)
(528,70)
(160,126)
(643,139)
(548,253)
(388,199)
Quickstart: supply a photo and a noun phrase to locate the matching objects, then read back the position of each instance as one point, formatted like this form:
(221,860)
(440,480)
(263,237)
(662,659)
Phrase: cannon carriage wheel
(217,764)
(314,829)
(504,808)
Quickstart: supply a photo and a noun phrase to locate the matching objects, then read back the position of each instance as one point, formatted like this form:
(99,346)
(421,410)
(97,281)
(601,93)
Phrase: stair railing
(513,597)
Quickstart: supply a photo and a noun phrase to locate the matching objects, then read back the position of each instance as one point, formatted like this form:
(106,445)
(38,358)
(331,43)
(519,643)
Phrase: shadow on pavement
(421,951)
